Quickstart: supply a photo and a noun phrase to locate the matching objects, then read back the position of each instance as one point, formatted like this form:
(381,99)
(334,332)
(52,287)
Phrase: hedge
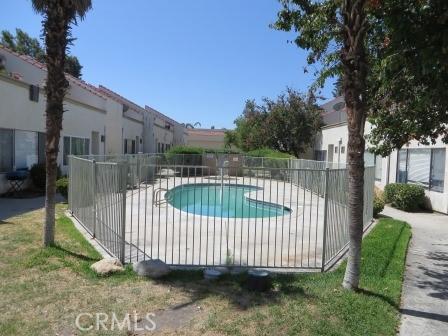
(38,175)
(269,153)
(407,197)
(62,187)
(378,205)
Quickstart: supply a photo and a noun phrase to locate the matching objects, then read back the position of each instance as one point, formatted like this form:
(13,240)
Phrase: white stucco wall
(211,139)
(331,135)
(18,112)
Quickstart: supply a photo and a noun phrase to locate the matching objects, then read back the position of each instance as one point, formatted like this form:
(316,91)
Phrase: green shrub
(378,205)
(409,197)
(38,175)
(222,151)
(62,187)
(269,153)
(391,190)
(184,150)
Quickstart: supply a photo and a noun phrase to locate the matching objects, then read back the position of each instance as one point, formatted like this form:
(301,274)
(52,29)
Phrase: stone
(154,268)
(107,265)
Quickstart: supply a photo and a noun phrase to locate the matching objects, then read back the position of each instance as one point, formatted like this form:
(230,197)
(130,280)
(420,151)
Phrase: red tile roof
(39,65)
(119,98)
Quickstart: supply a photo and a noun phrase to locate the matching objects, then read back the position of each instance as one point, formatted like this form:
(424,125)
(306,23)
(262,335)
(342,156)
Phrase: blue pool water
(230,202)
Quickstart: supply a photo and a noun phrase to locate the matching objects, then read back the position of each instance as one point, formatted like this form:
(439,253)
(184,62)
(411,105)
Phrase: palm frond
(80,7)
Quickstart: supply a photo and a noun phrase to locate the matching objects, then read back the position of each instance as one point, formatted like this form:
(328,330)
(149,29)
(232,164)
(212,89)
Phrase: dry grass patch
(43,290)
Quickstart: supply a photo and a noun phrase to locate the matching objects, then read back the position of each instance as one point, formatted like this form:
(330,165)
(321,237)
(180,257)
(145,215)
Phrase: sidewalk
(424,305)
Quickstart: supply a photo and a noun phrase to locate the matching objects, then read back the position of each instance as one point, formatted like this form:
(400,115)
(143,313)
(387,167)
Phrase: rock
(154,268)
(107,266)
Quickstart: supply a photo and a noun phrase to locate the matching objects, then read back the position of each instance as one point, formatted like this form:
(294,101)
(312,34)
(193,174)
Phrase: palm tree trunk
(354,63)
(56,29)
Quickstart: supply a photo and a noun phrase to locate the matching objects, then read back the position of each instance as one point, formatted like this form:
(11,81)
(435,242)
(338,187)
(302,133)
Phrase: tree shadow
(426,315)
(233,288)
(436,275)
(74,254)
(382,297)
(391,253)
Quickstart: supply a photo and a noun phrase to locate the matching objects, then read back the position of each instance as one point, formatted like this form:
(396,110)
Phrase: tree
(287,124)
(24,44)
(293,122)
(337,89)
(58,17)
(230,139)
(250,132)
(409,74)
(334,32)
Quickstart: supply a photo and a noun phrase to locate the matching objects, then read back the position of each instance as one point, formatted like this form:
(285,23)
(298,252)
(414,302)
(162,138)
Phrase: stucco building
(414,163)
(96,120)
(206,138)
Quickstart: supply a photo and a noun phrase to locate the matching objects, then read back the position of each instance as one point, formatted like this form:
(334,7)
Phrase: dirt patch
(171,319)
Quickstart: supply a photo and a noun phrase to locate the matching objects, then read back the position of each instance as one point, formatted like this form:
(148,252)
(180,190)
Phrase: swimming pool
(229,201)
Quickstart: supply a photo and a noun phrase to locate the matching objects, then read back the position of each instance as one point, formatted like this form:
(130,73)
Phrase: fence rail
(210,210)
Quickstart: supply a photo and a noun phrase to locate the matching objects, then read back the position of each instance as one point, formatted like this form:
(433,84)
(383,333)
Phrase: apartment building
(206,138)
(414,163)
(96,120)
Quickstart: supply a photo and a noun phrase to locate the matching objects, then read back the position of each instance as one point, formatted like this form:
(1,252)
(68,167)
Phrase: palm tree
(354,69)
(59,15)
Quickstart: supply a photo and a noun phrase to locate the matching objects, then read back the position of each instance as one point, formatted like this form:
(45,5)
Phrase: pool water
(228,202)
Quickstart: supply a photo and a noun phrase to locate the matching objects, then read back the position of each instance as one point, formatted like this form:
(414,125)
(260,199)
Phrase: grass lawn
(43,290)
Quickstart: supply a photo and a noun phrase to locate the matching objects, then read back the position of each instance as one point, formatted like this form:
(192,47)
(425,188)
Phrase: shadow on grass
(392,252)
(382,297)
(233,288)
(74,254)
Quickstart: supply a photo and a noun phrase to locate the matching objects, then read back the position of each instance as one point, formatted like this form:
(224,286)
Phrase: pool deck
(181,238)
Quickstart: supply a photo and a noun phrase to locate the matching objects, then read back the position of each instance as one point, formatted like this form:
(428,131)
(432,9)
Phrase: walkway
(424,305)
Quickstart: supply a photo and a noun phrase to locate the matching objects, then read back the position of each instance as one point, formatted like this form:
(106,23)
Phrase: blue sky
(196,60)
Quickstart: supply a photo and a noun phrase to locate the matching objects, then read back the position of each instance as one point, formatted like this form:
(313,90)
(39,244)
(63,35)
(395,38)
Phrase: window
(320,155)
(6,152)
(342,149)
(422,166)
(402,166)
(378,167)
(125,150)
(133,147)
(437,178)
(75,146)
(25,149)
(419,166)
(34,93)
(20,149)
(41,137)
(336,149)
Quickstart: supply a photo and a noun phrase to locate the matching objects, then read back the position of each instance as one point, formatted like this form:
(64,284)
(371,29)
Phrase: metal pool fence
(214,210)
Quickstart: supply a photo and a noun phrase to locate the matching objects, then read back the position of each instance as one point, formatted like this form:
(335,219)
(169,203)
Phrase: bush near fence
(38,175)
(407,197)
(62,187)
